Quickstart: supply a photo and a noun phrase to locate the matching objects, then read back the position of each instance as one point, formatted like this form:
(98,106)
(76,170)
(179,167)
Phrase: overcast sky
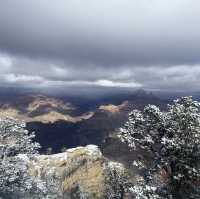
(150,44)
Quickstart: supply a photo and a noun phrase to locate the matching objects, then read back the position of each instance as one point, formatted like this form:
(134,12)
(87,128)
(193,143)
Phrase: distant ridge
(40,108)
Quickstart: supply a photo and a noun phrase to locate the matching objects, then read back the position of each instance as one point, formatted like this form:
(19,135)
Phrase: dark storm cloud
(135,43)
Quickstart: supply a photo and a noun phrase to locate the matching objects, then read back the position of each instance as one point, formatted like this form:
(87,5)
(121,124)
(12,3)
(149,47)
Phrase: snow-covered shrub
(172,138)
(117,181)
(15,140)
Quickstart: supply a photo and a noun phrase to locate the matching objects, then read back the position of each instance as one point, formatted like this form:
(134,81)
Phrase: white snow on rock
(74,149)
(93,150)
(61,156)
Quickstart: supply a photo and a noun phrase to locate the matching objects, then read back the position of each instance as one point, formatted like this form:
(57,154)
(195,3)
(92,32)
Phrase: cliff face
(79,173)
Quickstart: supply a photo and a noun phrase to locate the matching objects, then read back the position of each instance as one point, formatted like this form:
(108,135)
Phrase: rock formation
(78,173)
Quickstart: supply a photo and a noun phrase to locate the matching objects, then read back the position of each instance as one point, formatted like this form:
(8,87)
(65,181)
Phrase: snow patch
(93,150)
(74,149)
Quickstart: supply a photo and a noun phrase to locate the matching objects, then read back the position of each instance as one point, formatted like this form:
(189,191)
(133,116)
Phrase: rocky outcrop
(79,173)
(111,108)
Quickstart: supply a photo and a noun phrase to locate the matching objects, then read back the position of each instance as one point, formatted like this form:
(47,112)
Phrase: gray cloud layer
(128,43)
